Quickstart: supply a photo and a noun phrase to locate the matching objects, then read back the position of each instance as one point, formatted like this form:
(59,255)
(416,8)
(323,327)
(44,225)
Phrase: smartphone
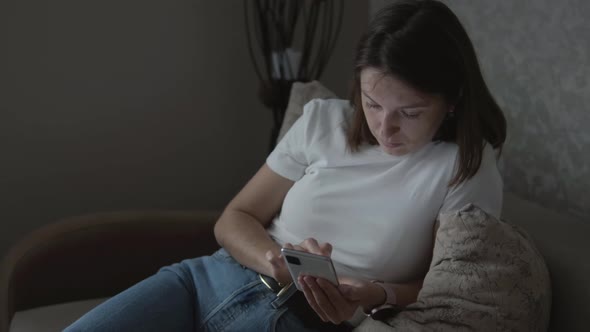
(305,263)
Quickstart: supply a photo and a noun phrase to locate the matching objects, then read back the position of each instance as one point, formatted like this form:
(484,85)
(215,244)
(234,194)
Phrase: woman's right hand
(279,269)
(311,245)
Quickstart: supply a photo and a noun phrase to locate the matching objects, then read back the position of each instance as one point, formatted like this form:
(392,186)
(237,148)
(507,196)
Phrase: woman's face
(401,118)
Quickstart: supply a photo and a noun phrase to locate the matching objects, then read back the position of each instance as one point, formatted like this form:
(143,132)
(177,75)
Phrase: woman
(360,181)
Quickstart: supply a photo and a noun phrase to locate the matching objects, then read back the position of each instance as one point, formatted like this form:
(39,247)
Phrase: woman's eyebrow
(366,95)
(414,105)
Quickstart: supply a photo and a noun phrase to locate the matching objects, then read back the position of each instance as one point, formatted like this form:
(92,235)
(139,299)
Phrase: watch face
(385,311)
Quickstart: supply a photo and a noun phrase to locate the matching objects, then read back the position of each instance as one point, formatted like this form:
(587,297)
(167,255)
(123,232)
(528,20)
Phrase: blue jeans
(211,293)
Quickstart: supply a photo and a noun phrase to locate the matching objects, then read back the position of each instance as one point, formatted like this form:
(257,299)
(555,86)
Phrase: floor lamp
(288,41)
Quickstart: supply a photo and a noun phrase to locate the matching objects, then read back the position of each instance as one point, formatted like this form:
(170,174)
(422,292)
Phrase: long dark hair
(422,43)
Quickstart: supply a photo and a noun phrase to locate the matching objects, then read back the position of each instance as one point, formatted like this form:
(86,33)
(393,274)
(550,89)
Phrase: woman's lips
(392,145)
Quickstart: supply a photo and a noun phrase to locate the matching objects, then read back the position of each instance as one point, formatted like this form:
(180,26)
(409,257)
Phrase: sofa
(62,270)
(58,272)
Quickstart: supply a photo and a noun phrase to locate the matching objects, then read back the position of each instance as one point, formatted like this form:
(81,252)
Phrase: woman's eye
(410,115)
(372,106)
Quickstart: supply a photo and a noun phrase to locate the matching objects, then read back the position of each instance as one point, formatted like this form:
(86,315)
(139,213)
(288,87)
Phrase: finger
(278,261)
(333,293)
(344,306)
(312,246)
(294,247)
(300,248)
(311,299)
(270,256)
(274,259)
(326,248)
(323,300)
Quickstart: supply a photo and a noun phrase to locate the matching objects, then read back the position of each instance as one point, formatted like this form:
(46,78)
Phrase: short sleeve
(484,189)
(289,158)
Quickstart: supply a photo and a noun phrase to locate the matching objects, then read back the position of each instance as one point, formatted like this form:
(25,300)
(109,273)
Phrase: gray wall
(130,104)
(536,59)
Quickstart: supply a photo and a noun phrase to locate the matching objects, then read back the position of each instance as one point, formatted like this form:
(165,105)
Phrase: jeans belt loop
(284,295)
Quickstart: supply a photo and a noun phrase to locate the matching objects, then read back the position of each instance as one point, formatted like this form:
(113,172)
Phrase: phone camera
(293,260)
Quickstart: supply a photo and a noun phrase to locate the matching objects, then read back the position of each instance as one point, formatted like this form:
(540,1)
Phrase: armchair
(97,256)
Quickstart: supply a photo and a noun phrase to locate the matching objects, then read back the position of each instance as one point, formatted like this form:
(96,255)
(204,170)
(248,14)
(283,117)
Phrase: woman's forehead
(376,84)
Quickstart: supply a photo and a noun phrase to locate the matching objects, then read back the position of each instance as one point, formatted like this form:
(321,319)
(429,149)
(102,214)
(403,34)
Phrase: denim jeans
(211,293)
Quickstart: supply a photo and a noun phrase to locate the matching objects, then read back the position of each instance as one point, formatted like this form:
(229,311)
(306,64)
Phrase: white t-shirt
(377,210)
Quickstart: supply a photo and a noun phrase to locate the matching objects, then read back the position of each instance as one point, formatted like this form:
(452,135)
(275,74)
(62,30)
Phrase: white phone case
(304,263)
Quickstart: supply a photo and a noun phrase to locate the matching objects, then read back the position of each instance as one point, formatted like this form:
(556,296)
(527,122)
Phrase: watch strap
(389,307)
(390,297)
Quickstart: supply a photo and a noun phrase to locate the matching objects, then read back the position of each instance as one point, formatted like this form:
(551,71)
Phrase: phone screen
(305,263)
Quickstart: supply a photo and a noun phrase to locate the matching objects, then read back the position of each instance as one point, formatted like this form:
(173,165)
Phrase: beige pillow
(485,275)
(301,94)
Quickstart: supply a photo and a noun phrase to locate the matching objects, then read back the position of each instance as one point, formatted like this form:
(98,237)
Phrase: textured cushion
(301,94)
(486,275)
(51,318)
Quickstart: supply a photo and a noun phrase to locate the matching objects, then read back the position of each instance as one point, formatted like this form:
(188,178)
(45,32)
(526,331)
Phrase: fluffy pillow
(485,275)
(301,94)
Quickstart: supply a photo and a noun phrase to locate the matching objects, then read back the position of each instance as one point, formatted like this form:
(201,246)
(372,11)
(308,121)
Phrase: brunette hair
(422,43)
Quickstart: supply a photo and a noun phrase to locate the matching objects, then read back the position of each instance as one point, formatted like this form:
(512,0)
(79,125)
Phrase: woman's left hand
(338,303)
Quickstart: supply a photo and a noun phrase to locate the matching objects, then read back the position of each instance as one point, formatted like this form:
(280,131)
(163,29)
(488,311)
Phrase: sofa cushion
(485,275)
(51,318)
(301,94)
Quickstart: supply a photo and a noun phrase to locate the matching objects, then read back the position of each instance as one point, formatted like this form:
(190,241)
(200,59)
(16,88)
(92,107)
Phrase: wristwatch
(389,307)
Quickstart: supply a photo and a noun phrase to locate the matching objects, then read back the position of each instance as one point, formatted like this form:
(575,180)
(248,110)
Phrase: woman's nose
(389,124)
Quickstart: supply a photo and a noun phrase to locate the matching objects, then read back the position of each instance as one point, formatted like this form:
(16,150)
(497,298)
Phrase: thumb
(273,258)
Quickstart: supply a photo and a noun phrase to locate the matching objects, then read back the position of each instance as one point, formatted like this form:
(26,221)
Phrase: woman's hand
(331,303)
(311,245)
(327,300)
(339,303)
(279,270)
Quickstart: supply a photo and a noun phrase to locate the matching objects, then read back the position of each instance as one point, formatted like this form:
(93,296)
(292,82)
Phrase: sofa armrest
(98,255)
